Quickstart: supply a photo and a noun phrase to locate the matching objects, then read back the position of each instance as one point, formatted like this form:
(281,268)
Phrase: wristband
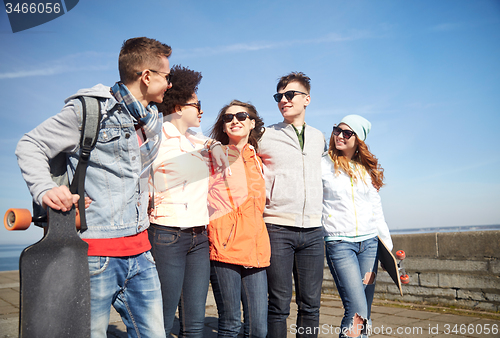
(214,144)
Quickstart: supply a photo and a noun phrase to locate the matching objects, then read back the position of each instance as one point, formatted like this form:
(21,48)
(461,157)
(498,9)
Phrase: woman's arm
(378,216)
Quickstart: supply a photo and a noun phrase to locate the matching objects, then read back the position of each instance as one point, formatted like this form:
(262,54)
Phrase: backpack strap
(91,124)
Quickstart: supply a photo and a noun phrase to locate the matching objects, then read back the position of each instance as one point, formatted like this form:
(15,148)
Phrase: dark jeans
(299,251)
(232,285)
(183,264)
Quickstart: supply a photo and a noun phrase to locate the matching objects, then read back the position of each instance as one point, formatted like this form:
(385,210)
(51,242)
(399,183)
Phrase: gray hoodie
(294,190)
(114,180)
(59,133)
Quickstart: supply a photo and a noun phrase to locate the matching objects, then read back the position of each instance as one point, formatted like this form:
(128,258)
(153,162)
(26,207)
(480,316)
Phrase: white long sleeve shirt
(352,209)
(181,180)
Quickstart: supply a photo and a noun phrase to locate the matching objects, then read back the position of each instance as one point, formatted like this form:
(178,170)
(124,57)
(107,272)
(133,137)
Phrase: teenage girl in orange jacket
(239,243)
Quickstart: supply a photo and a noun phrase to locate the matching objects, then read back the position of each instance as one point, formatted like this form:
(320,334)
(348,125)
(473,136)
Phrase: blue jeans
(183,264)
(234,284)
(298,251)
(132,286)
(354,268)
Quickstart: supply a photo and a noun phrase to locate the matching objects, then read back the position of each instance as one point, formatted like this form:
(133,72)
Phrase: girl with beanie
(353,220)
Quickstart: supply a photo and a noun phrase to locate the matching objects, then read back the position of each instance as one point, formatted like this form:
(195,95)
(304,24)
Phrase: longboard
(54,279)
(390,264)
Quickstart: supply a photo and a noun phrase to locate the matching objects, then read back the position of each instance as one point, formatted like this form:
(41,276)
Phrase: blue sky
(425,73)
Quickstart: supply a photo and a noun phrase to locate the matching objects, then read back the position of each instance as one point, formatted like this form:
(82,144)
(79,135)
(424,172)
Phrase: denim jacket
(118,190)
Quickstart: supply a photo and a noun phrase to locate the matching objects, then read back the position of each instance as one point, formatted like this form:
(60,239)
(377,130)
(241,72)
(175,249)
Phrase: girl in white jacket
(353,220)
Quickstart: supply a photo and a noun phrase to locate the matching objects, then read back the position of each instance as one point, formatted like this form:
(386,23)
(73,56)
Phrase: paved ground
(389,319)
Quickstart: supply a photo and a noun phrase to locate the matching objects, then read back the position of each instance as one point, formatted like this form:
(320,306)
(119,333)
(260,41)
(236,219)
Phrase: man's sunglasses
(197,105)
(345,132)
(241,116)
(167,76)
(289,95)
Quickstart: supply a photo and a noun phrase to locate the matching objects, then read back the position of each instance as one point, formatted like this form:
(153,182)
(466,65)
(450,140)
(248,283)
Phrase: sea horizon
(10,253)
(9,256)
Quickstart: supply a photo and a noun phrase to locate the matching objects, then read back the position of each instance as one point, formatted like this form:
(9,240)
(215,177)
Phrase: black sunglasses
(167,76)
(289,95)
(345,132)
(241,116)
(196,105)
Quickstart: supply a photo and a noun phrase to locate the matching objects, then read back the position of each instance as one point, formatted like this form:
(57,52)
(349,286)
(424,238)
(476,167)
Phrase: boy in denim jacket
(122,271)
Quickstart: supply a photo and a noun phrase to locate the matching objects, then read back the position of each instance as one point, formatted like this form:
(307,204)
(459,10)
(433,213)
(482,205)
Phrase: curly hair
(299,77)
(362,156)
(139,53)
(184,85)
(217,131)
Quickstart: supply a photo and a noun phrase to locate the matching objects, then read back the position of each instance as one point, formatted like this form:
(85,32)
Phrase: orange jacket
(237,231)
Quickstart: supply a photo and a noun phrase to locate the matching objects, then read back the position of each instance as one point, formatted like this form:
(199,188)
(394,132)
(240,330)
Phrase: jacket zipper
(178,203)
(304,180)
(354,204)
(257,253)
(230,234)
(184,183)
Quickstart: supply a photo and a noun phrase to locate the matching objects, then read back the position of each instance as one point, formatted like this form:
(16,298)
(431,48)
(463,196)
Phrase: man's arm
(59,198)
(34,151)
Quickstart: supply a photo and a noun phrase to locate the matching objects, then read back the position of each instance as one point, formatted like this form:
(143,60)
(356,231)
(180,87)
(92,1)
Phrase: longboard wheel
(400,255)
(17,219)
(405,279)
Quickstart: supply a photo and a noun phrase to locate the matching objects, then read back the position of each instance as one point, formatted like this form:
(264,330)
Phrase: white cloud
(446,27)
(87,61)
(36,72)
(93,61)
(257,46)
(236,48)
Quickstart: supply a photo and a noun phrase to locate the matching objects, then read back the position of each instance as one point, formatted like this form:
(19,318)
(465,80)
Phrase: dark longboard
(390,264)
(55,282)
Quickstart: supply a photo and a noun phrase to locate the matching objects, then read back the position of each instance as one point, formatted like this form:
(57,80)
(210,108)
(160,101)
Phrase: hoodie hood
(99,90)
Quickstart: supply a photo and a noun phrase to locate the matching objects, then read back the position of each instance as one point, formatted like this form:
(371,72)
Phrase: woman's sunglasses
(289,95)
(197,105)
(241,116)
(345,132)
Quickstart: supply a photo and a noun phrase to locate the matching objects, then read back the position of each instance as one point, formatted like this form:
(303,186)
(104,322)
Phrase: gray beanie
(358,124)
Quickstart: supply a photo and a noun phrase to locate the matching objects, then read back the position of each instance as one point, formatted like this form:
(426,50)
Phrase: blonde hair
(362,157)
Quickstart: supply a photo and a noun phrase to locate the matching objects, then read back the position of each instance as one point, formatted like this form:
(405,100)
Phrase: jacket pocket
(273,228)
(284,192)
(97,264)
(169,209)
(166,237)
(108,143)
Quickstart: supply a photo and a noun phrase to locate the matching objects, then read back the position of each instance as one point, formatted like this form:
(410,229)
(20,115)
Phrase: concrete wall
(460,268)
